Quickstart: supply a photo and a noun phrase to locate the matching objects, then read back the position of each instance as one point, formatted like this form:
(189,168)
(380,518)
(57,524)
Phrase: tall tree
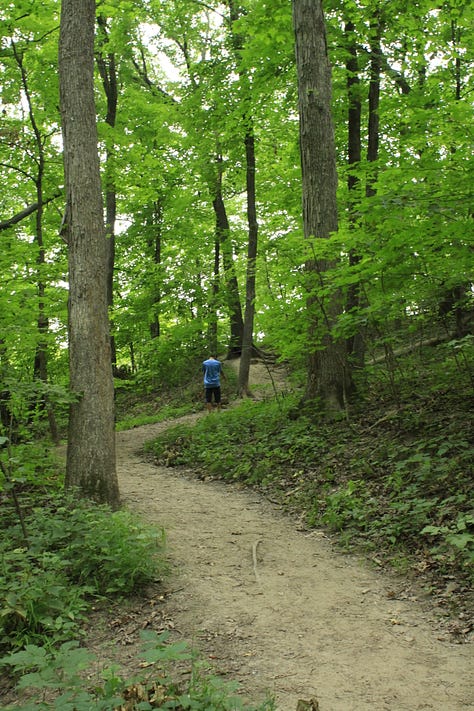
(238,42)
(108,73)
(230,276)
(91,437)
(328,378)
(40,367)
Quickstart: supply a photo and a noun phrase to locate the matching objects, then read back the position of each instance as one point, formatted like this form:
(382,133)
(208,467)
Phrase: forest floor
(277,608)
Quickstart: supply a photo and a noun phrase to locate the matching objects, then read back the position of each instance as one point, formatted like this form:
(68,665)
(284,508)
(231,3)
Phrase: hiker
(212,369)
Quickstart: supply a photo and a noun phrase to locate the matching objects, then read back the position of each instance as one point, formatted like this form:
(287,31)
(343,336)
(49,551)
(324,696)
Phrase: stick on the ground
(254,559)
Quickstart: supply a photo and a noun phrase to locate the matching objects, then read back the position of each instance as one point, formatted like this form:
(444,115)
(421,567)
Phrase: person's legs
(217,397)
(209,399)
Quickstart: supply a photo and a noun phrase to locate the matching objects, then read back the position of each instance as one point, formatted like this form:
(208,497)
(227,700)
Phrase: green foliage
(110,552)
(73,550)
(62,671)
(37,601)
(58,670)
(30,463)
(454,539)
(400,482)
(168,412)
(214,444)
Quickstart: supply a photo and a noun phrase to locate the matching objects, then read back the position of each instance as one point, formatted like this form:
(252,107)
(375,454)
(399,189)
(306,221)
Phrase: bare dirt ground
(281,610)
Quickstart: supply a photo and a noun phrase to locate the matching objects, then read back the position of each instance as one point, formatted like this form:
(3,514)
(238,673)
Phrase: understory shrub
(401,483)
(74,550)
(69,678)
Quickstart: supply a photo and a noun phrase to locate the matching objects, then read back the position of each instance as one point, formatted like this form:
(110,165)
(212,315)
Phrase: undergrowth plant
(64,678)
(75,550)
(400,482)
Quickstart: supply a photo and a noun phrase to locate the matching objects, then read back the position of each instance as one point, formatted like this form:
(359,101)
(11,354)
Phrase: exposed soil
(279,609)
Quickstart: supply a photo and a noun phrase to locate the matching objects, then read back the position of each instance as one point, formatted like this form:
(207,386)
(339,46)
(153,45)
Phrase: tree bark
(108,73)
(328,379)
(355,344)
(250,170)
(40,364)
(373,137)
(250,290)
(154,242)
(232,294)
(90,463)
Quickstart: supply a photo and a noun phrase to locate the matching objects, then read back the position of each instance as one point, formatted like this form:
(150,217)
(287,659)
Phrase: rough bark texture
(91,441)
(327,372)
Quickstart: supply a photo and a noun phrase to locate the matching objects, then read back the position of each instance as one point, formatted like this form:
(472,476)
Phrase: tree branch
(143,74)
(5,224)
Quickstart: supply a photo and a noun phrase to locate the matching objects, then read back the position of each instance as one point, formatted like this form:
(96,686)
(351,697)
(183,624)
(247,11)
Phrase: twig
(254,558)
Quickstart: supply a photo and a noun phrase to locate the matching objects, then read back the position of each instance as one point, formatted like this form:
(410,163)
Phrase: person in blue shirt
(212,369)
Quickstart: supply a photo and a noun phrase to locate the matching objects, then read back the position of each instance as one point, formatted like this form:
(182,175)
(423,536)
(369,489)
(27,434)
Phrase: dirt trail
(282,611)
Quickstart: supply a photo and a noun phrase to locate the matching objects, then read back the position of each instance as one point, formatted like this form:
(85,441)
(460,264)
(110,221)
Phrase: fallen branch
(254,559)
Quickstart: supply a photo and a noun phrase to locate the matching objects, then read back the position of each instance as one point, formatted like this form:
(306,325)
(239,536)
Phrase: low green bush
(37,601)
(401,484)
(67,678)
(74,550)
(107,551)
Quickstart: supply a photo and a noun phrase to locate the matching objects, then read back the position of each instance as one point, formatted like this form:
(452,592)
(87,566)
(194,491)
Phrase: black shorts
(216,392)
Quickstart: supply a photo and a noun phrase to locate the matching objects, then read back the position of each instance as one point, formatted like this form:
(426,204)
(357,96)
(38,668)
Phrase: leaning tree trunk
(328,376)
(91,442)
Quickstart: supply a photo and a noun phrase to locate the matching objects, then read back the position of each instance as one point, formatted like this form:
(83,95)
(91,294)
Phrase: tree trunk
(249,142)
(355,344)
(90,463)
(231,283)
(212,330)
(247,341)
(40,365)
(328,379)
(108,75)
(374,102)
(154,242)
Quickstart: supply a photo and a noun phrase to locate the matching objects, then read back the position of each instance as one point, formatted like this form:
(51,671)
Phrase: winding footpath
(281,611)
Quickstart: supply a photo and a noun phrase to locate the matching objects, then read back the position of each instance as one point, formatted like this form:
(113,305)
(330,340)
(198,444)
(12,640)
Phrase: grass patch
(167,412)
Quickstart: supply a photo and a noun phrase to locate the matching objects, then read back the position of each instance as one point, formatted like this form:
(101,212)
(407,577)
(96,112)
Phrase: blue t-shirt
(212,370)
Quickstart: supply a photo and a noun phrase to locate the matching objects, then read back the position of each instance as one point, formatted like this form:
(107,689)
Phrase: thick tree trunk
(328,376)
(91,442)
